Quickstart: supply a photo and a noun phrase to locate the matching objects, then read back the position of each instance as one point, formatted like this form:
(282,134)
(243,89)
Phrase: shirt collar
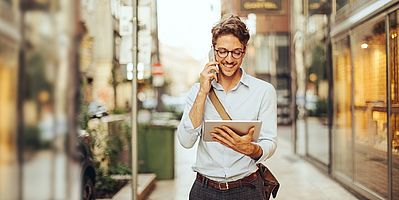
(244,80)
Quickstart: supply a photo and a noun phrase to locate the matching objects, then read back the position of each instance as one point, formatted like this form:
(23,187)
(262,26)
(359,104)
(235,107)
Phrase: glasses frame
(230,52)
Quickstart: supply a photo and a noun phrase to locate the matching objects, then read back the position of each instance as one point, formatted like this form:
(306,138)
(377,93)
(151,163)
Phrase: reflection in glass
(40,128)
(342,120)
(394,87)
(8,118)
(341,3)
(316,99)
(370,107)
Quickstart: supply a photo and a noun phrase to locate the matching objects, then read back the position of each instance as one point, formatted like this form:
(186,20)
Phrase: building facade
(365,117)
(346,121)
(38,100)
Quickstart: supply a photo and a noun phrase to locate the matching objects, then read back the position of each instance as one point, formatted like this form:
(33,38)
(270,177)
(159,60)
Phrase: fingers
(211,67)
(218,138)
(225,135)
(208,72)
(233,137)
(231,133)
(211,64)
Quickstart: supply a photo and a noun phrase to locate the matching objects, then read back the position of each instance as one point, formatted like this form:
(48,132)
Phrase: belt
(246,181)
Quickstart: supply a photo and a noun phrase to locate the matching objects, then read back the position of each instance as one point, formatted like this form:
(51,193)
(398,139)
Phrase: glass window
(271,64)
(316,100)
(48,172)
(8,99)
(342,120)
(341,3)
(394,87)
(370,119)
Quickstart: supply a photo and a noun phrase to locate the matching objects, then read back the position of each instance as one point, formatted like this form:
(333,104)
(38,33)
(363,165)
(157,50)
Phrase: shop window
(342,120)
(317,101)
(368,43)
(8,118)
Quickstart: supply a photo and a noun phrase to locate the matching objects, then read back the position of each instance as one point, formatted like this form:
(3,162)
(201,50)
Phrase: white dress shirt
(250,99)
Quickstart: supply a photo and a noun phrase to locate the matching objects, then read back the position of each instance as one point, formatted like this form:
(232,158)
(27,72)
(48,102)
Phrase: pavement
(298,178)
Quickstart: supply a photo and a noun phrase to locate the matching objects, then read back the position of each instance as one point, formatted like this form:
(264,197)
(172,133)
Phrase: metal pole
(134,102)
(20,101)
(330,97)
(389,105)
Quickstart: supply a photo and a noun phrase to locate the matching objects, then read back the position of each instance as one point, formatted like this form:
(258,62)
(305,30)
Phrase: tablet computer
(241,127)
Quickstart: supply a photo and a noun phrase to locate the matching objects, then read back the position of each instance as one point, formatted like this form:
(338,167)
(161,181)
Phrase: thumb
(251,131)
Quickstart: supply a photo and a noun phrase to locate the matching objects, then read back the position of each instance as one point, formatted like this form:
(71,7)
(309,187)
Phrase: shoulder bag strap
(218,105)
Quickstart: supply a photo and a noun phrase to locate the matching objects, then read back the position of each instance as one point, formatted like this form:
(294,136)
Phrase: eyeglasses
(223,53)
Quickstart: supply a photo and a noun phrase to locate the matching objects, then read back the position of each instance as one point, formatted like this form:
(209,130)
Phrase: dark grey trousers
(200,191)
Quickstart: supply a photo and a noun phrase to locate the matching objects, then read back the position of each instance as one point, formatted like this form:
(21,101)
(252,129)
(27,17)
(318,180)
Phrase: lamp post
(134,101)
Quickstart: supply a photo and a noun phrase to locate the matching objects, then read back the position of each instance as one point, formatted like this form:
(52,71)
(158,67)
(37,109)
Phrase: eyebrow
(230,50)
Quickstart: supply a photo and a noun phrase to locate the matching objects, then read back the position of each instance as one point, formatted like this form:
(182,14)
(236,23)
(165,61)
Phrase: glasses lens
(236,54)
(222,53)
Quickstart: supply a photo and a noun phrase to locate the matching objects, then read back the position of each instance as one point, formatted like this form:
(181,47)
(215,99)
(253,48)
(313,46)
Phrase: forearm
(197,110)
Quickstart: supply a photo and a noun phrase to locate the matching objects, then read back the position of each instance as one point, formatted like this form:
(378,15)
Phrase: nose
(229,57)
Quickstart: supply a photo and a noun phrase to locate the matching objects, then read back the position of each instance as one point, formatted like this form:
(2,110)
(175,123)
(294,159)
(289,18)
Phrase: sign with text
(260,5)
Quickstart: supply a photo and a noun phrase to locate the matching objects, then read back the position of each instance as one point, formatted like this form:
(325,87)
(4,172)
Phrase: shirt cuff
(189,127)
(268,149)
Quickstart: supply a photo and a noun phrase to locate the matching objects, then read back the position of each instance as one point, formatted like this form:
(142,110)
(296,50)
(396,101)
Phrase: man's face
(229,54)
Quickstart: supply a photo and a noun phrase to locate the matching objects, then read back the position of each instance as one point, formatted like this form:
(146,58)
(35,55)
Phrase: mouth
(229,66)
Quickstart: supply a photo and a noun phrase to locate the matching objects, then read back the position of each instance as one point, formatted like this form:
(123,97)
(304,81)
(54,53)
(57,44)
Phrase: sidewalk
(298,178)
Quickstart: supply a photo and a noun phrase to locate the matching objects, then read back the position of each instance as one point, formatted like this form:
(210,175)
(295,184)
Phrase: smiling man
(226,168)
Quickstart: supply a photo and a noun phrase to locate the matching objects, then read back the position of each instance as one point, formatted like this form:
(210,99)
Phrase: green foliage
(117,140)
(108,143)
(120,169)
(104,183)
(83,116)
(118,111)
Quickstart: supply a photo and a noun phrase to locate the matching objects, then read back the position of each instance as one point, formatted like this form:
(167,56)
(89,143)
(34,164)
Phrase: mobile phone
(212,59)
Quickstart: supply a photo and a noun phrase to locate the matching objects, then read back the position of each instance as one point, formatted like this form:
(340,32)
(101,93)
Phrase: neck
(228,82)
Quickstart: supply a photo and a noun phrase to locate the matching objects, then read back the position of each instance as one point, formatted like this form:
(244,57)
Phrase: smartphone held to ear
(212,59)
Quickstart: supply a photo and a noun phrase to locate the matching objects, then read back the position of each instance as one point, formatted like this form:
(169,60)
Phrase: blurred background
(91,92)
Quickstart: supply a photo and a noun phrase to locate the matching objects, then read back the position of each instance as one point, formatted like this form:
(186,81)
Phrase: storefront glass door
(368,44)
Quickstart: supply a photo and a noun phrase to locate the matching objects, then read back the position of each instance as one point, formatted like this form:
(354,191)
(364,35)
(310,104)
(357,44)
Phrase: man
(226,168)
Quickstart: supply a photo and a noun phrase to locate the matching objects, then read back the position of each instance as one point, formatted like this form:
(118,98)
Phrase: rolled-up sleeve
(186,132)
(268,115)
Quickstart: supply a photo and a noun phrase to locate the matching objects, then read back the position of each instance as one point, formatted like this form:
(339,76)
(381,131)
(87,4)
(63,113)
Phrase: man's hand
(242,144)
(206,76)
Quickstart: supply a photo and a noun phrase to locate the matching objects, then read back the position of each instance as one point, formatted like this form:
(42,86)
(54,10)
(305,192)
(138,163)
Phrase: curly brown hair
(231,24)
